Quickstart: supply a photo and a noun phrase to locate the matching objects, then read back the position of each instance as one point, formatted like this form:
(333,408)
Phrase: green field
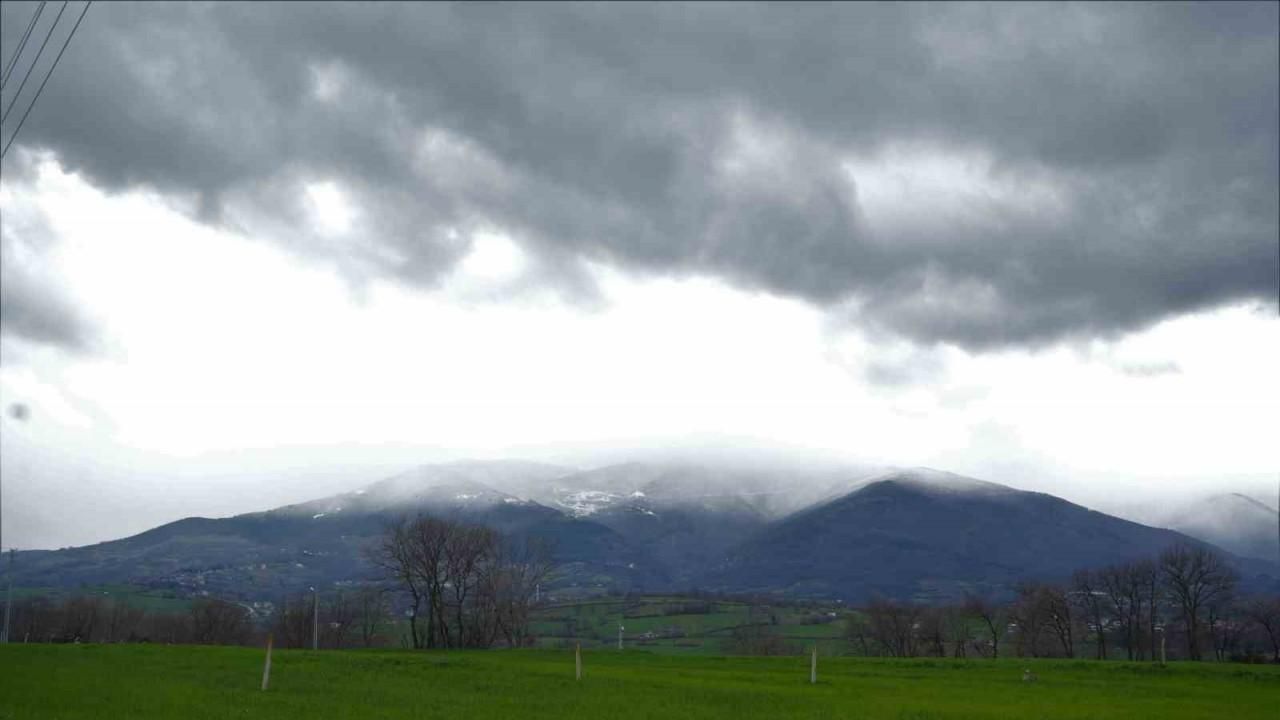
(151,600)
(651,625)
(66,682)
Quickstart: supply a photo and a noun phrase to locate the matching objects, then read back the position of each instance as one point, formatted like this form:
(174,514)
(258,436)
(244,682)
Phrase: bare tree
(1057,611)
(35,618)
(1088,595)
(402,556)
(81,617)
(894,626)
(1195,578)
(122,621)
(991,615)
(858,632)
(1264,613)
(1226,626)
(338,614)
(1123,586)
(957,626)
(1029,616)
(292,622)
(428,542)
(218,622)
(510,582)
(468,551)
(931,630)
(1147,577)
(373,613)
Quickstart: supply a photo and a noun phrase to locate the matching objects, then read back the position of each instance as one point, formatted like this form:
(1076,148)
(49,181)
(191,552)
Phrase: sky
(258,253)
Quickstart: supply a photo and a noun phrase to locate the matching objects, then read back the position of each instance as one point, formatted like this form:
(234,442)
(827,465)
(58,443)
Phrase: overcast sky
(255,253)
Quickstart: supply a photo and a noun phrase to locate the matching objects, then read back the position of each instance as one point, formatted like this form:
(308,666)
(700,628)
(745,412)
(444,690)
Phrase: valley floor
(80,682)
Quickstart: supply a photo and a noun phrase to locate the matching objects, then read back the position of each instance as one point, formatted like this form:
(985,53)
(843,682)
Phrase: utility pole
(19,412)
(8,601)
(315,620)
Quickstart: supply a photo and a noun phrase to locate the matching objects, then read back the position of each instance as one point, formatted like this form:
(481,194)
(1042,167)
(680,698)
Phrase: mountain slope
(926,534)
(324,541)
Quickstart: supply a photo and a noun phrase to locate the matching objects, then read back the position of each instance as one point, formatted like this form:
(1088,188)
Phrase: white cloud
(493,258)
(913,188)
(332,210)
(215,343)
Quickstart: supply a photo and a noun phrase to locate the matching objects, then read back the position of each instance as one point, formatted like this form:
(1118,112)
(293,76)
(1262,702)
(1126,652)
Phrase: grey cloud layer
(719,139)
(33,303)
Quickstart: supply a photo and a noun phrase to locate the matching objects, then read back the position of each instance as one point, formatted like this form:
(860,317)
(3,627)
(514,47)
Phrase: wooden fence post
(813,666)
(266,667)
(577,660)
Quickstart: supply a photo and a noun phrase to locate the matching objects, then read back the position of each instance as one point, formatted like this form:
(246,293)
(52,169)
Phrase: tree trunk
(413,623)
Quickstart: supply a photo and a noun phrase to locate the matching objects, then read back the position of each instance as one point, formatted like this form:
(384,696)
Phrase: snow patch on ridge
(586,502)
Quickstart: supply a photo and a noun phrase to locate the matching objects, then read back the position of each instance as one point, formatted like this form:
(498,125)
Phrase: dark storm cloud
(718,139)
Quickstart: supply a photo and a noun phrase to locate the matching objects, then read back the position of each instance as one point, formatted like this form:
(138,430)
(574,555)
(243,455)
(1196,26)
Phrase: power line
(32,67)
(22,44)
(47,75)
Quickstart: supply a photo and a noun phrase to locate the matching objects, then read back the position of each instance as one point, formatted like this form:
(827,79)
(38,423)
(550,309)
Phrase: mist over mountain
(811,532)
(1233,521)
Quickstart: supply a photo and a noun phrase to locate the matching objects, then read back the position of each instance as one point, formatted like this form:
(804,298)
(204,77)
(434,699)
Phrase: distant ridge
(932,535)
(914,533)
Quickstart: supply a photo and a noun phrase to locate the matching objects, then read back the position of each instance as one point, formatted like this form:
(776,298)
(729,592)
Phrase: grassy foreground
(66,682)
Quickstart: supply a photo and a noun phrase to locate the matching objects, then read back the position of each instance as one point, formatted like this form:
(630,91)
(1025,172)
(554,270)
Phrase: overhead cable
(22,44)
(47,75)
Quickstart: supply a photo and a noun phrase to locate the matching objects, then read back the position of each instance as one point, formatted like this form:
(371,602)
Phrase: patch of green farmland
(152,600)
(656,624)
(82,682)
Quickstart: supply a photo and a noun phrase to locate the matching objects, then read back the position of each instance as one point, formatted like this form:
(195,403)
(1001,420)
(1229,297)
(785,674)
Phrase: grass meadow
(140,682)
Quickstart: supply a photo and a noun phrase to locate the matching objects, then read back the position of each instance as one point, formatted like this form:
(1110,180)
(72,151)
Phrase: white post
(619,636)
(813,666)
(577,661)
(266,667)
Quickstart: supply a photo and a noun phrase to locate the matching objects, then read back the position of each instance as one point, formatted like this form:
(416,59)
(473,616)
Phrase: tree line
(449,584)
(1182,602)
(348,617)
(460,586)
(98,617)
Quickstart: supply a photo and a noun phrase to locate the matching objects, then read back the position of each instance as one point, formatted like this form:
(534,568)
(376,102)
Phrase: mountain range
(834,533)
